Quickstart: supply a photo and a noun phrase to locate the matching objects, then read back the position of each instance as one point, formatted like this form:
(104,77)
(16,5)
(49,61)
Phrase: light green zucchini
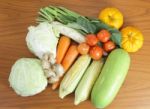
(111,78)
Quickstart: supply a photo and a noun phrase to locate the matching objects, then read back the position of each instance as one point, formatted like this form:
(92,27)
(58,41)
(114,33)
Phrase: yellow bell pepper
(132,39)
(112,17)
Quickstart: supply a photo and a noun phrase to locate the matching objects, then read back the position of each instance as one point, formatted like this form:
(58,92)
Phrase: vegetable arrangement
(88,56)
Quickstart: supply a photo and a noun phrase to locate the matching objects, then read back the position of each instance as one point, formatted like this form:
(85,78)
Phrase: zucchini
(111,78)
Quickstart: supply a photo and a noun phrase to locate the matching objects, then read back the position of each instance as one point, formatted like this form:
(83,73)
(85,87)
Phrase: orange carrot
(62,48)
(71,55)
(68,60)
(56,84)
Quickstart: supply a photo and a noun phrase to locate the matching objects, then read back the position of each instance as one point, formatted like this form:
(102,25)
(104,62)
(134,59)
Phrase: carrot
(71,55)
(56,84)
(68,60)
(62,48)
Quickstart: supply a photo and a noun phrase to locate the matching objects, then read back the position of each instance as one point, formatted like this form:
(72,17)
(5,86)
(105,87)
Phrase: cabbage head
(27,77)
(42,39)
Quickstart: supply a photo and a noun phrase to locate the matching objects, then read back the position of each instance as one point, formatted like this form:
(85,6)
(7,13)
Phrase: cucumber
(111,78)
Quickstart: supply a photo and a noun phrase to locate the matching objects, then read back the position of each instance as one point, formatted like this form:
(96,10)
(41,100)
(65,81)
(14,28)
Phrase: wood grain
(17,15)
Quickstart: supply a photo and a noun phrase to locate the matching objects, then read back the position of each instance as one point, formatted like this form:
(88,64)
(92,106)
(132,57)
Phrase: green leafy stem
(82,24)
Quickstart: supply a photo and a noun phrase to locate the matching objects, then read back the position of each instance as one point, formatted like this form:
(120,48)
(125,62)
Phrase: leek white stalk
(69,32)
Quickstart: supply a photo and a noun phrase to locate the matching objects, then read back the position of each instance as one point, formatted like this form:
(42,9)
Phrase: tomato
(91,39)
(109,46)
(83,48)
(96,52)
(103,36)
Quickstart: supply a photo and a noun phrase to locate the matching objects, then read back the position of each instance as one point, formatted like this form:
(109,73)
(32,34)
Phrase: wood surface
(17,15)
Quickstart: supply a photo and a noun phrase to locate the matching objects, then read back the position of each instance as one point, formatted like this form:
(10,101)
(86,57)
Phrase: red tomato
(109,46)
(96,52)
(103,36)
(91,39)
(83,48)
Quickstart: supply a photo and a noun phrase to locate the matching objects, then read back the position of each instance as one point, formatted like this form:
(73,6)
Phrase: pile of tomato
(97,45)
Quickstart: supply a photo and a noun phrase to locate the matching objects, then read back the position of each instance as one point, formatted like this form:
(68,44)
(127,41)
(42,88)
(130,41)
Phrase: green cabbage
(27,77)
(42,39)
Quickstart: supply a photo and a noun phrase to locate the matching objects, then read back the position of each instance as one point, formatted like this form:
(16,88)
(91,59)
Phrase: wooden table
(17,15)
